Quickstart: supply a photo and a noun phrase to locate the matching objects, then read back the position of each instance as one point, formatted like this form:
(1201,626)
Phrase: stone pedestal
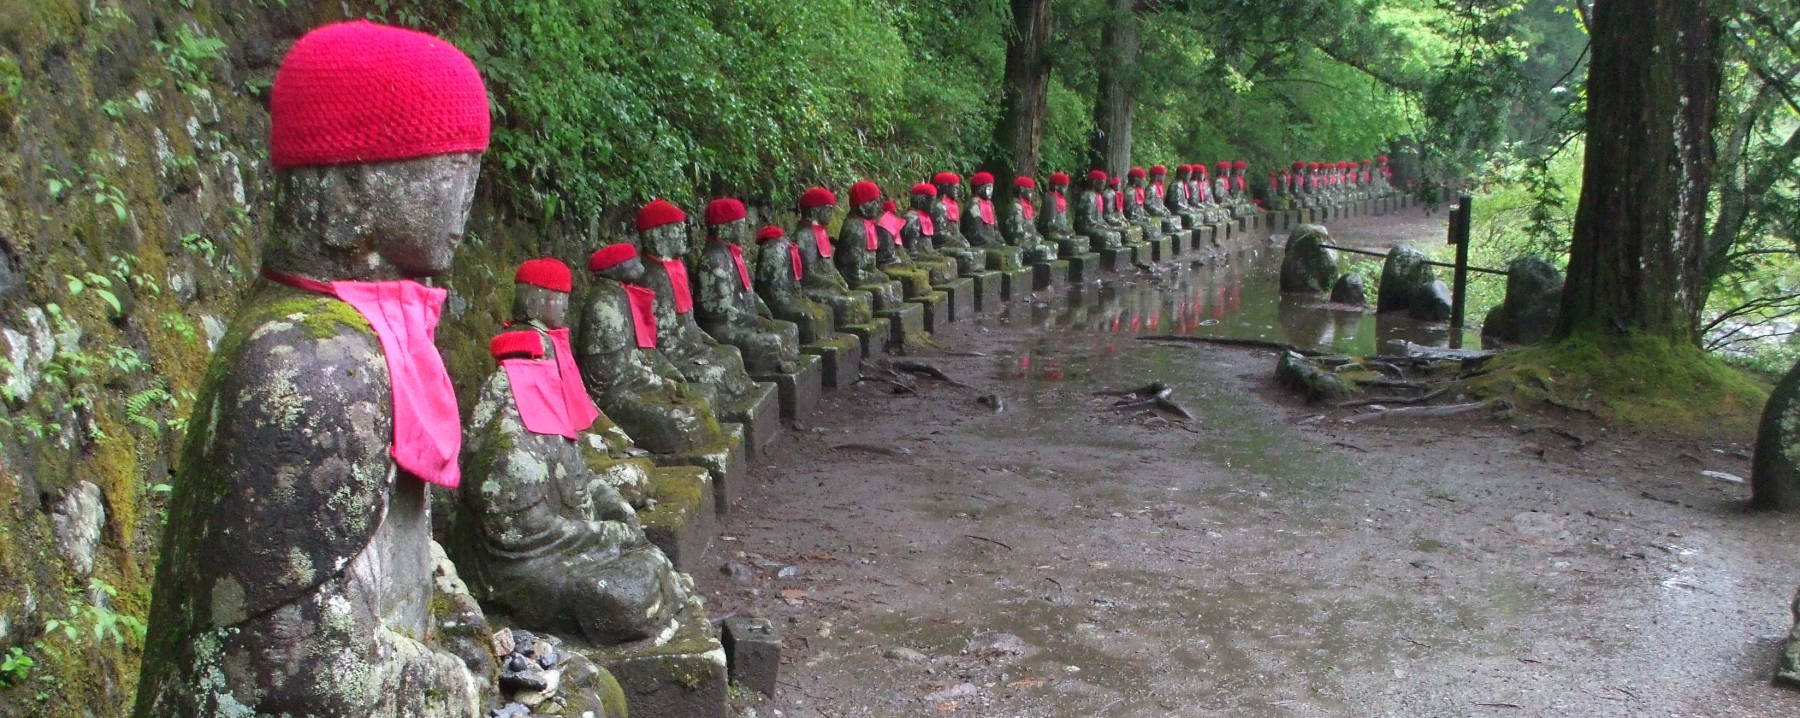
(1112,260)
(1163,249)
(987,291)
(1205,237)
(1015,283)
(682,678)
(761,419)
(752,653)
(1045,275)
(798,392)
(870,335)
(839,357)
(1083,267)
(999,258)
(937,310)
(962,297)
(725,464)
(684,519)
(906,320)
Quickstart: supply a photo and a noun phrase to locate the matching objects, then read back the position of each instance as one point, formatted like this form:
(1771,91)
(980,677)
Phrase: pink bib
(678,284)
(737,259)
(549,394)
(1138,194)
(1062,203)
(823,241)
(404,315)
(927,227)
(952,210)
(1030,211)
(986,209)
(871,240)
(643,314)
(892,223)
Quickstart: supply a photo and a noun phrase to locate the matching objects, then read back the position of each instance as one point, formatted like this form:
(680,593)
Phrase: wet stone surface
(1062,558)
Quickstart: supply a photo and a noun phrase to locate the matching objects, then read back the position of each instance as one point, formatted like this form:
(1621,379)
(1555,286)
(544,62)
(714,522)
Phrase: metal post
(1459,236)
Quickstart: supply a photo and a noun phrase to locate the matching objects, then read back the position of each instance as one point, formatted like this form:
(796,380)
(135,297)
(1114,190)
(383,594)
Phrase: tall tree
(1026,92)
(1115,97)
(1636,260)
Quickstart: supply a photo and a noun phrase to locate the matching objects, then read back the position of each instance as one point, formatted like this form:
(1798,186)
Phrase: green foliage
(188,57)
(94,621)
(15,667)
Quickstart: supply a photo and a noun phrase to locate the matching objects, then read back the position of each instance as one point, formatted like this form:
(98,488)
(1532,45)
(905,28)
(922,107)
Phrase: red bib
(737,258)
(1030,211)
(643,314)
(1062,203)
(822,240)
(986,209)
(678,284)
(871,241)
(952,210)
(892,223)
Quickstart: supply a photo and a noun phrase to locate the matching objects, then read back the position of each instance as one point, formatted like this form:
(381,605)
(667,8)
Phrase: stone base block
(839,358)
(937,310)
(871,335)
(724,463)
(682,678)
(1015,283)
(1113,260)
(962,297)
(752,653)
(1083,267)
(1203,237)
(684,519)
(987,291)
(1163,249)
(1005,258)
(1045,275)
(905,320)
(761,419)
(798,392)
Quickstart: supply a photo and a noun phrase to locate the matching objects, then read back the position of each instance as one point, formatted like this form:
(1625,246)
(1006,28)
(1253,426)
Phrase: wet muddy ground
(927,555)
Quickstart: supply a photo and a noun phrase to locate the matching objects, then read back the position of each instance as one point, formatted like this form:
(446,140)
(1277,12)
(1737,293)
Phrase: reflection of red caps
(517,344)
(1240,164)
(980,178)
(545,272)
(1135,173)
(864,191)
(362,92)
(1097,175)
(925,188)
(610,256)
(658,213)
(767,233)
(1059,178)
(1158,170)
(817,197)
(1025,182)
(946,178)
(720,211)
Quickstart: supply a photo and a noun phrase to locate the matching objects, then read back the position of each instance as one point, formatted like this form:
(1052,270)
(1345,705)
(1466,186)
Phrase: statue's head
(1239,166)
(1158,173)
(1026,188)
(376,137)
(924,195)
(1059,181)
(1183,171)
(817,205)
(727,220)
(865,199)
(1136,175)
(948,184)
(1096,180)
(541,293)
(769,234)
(662,228)
(982,184)
(618,262)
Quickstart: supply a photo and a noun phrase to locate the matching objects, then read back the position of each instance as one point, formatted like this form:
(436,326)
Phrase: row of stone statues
(299,573)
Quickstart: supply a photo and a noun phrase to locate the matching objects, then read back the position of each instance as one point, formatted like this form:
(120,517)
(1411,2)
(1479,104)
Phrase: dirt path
(1059,558)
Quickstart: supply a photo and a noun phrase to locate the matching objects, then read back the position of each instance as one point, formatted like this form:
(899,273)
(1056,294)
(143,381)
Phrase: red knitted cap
(1381,158)
(1136,173)
(1158,170)
(769,233)
(356,92)
(946,178)
(864,191)
(889,206)
(1318,165)
(1097,175)
(658,213)
(1225,165)
(545,272)
(1200,168)
(720,211)
(925,188)
(1366,163)
(1025,182)
(611,256)
(516,344)
(817,197)
(980,178)
(1059,178)
(1240,164)
(1299,165)
(1114,181)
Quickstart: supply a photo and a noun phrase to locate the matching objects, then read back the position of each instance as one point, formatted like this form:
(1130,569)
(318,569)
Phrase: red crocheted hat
(817,197)
(545,272)
(1381,158)
(768,233)
(946,178)
(1225,165)
(1158,170)
(1114,181)
(1299,165)
(1026,182)
(1059,178)
(925,188)
(1318,165)
(516,344)
(720,211)
(658,213)
(864,191)
(980,178)
(1200,168)
(1097,175)
(1136,173)
(1240,164)
(889,206)
(362,92)
(611,256)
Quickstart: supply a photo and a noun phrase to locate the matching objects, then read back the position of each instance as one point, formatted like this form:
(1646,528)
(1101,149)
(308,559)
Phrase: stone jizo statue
(295,575)
(727,306)
(1021,224)
(859,249)
(714,370)
(779,277)
(948,218)
(1091,215)
(1054,222)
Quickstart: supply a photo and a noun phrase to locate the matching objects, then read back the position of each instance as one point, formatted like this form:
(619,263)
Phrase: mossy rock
(1304,377)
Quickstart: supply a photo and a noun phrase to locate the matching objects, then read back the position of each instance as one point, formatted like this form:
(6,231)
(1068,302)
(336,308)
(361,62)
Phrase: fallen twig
(1581,442)
(1001,544)
(1165,404)
(1393,383)
(1232,342)
(922,369)
(1450,410)
(1565,406)
(874,449)
(1421,399)
(900,387)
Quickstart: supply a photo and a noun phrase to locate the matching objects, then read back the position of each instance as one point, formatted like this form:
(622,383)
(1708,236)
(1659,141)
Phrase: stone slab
(1045,275)
(1113,260)
(752,653)
(904,320)
(798,392)
(839,356)
(683,677)
(1083,267)
(871,335)
(987,292)
(761,421)
(684,519)
(962,297)
(1163,249)
(725,463)
(937,310)
(1015,283)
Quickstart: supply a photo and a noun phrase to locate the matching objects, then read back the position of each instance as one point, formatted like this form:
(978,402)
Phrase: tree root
(1450,410)
(1231,342)
(1421,399)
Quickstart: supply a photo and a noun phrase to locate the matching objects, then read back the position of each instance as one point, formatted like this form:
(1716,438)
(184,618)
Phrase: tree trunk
(1635,264)
(1020,134)
(1116,96)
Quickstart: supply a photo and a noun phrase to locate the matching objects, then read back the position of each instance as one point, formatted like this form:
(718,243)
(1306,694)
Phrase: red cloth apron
(822,240)
(678,284)
(643,314)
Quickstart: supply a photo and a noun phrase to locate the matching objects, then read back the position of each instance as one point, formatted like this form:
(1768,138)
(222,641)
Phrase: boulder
(1306,265)
(1533,303)
(1404,274)
(1775,468)
(1789,670)
(79,517)
(1349,290)
(1304,377)
(1430,303)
